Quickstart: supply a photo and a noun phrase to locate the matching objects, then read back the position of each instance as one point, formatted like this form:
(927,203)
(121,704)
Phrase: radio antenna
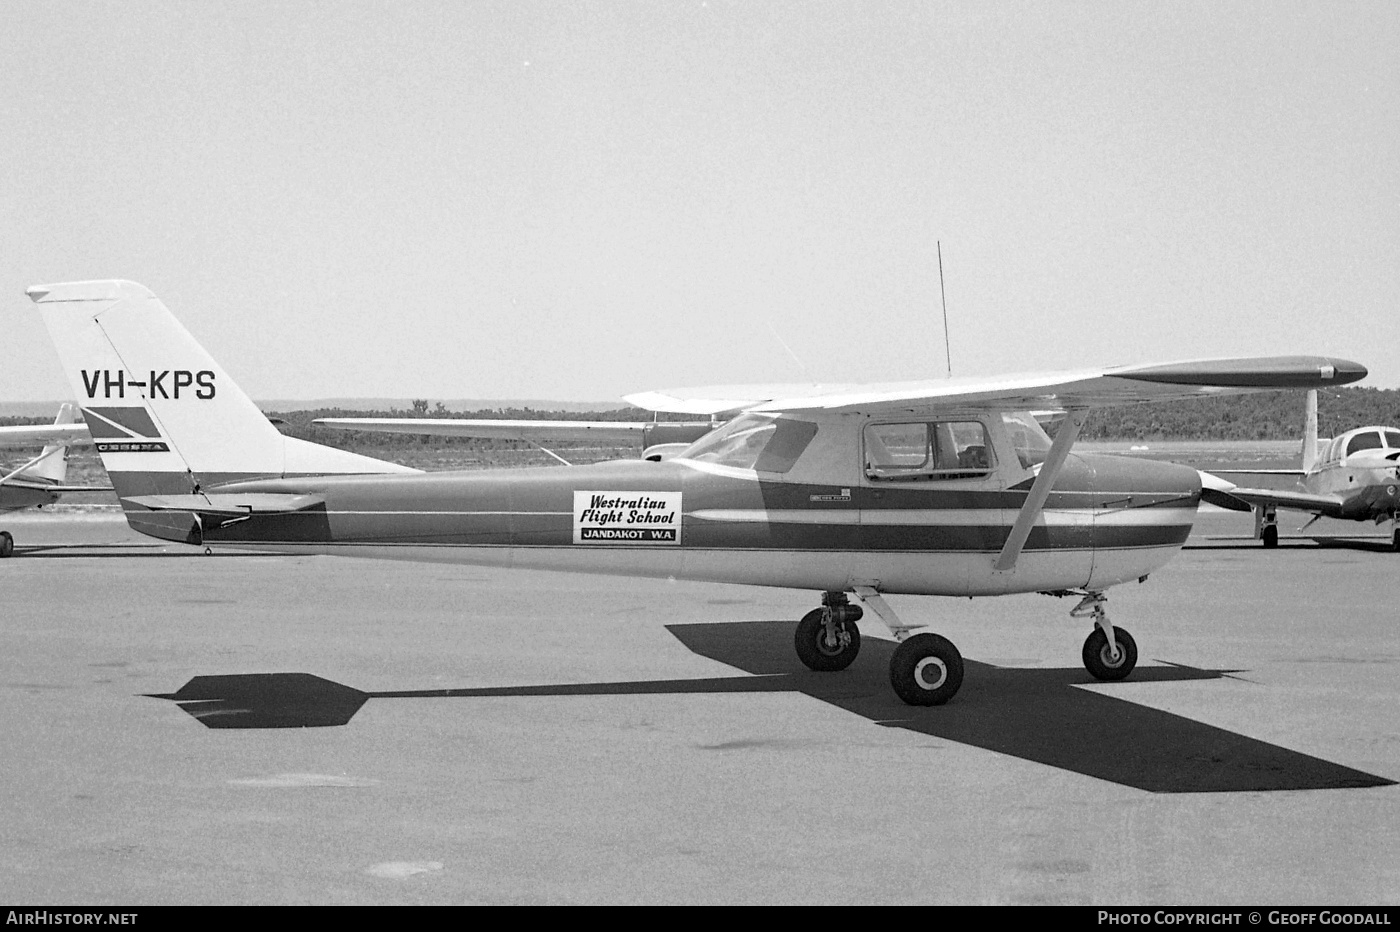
(947,350)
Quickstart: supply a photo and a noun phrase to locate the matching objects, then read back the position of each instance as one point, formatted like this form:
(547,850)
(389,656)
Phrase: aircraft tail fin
(165,417)
(1310,451)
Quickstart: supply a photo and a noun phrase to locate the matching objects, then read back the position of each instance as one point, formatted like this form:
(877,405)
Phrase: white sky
(575,200)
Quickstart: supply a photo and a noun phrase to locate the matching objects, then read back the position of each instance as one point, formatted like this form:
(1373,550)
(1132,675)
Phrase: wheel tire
(7,544)
(812,649)
(926,670)
(1270,536)
(1100,663)
(1395,540)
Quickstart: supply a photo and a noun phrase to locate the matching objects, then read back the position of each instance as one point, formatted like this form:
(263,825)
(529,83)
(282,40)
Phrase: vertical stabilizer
(1310,431)
(165,417)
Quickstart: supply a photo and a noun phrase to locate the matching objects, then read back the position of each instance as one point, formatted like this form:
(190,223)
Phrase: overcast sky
(576,200)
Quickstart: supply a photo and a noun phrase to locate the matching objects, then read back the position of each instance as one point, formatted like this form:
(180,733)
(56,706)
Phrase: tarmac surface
(490,736)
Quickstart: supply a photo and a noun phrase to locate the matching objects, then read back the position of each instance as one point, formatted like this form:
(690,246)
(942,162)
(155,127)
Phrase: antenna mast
(948,350)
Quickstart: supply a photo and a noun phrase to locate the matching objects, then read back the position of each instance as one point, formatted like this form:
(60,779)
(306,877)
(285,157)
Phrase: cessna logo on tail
(166,383)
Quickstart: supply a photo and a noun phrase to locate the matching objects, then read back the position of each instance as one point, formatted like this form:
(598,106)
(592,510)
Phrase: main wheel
(7,544)
(1395,539)
(926,670)
(1101,662)
(1270,536)
(814,650)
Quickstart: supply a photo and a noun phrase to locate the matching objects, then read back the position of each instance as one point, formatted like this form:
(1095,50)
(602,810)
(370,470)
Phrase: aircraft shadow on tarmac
(1035,714)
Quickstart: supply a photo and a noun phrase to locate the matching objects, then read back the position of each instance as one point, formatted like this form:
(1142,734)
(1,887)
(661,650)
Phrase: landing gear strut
(1110,653)
(827,638)
(1266,525)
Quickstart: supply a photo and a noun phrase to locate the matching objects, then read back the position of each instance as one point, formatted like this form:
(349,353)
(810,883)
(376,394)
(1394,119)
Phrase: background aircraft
(40,481)
(1355,476)
(943,487)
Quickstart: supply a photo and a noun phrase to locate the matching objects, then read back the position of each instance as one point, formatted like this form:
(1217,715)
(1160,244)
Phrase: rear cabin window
(1392,439)
(926,451)
(765,444)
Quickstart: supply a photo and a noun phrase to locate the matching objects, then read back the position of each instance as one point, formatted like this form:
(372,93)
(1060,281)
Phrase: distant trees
(1263,416)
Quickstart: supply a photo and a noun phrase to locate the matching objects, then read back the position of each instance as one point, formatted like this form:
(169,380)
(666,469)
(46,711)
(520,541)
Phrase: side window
(923,451)
(1392,439)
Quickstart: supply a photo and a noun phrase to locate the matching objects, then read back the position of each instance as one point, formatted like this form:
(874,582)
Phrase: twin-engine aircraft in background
(932,488)
(39,481)
(1355,477)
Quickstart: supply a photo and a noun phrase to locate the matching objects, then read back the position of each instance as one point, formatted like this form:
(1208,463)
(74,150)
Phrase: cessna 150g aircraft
(933,488)
(1355,476)
(40,480)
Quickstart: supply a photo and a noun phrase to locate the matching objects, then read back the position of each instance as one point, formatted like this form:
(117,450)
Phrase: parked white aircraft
(941,487)
(40,481)
(1355,477)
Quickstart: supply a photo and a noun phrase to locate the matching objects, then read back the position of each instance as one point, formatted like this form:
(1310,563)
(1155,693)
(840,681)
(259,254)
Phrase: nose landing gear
(1110,653)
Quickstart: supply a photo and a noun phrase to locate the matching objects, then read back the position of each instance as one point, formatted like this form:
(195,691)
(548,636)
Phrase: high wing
(1060,391)
(494,429)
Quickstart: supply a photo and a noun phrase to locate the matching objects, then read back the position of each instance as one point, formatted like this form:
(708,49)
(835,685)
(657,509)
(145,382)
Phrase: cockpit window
(1392,439)
(922,450)
(1369,440)
(754,441)
(1030,439)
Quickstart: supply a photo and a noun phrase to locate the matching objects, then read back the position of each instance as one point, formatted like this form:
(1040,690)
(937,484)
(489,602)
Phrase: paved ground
(545,738)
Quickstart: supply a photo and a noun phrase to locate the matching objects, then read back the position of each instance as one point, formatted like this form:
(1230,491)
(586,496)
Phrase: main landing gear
(7,545)
(1266,525)
(926,669)
(827,638)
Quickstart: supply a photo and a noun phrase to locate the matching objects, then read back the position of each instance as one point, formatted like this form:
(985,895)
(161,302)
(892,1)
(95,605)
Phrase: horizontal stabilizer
(230,505)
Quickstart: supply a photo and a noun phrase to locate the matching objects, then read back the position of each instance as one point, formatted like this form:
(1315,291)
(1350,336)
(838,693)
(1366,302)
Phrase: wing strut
(34,462)
(1040,490)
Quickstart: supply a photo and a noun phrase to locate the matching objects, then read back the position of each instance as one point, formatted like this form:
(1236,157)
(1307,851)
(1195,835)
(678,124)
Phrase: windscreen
(754,441)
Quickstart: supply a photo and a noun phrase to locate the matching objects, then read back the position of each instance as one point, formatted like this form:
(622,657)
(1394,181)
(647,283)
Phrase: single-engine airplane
(931,488)
(1355,476)
(40,481)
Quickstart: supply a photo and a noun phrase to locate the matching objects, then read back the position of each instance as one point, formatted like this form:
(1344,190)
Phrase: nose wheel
(1110,653)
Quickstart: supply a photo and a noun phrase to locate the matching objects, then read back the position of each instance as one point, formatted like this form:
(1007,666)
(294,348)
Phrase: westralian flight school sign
(627,517)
